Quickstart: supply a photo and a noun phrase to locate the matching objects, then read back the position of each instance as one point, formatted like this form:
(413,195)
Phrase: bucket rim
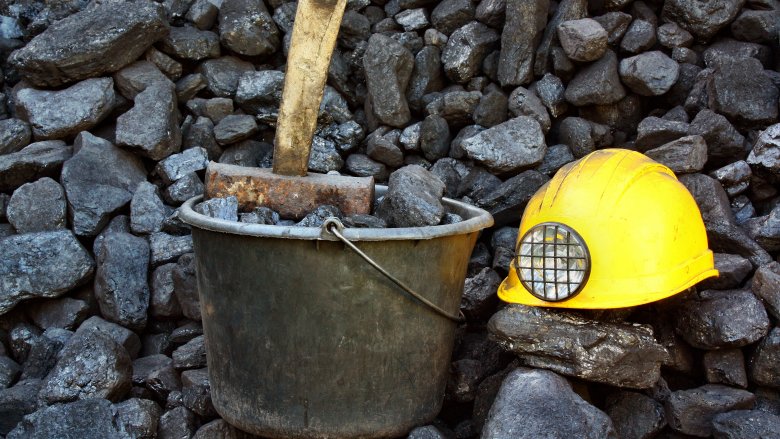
(474,220)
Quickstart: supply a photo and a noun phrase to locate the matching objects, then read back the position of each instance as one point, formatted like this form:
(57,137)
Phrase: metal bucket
(306,339)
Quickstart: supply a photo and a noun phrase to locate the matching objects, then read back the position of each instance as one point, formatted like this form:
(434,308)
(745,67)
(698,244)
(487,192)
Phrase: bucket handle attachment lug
(333,226)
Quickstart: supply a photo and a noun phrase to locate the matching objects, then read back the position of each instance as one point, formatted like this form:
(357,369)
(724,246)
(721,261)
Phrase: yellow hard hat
(611,230)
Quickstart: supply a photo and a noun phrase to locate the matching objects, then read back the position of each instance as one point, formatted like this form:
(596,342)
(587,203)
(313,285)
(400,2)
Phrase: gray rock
(756,26)
(222,74)
(765,155)
(457,107)
(635,416)
(426,77)
(121,285)
(183,189)
(506,201)
(683,156)
(190,43)
(724,142)
(449,15)
(165,248)
(466,49)
(523,102)
(259,89)
(577,134)
(550,90)
(235,128)
(69,420)
(147,211)
(151,127)
(597,83)
(555,157)
(746,424)
(94,196)
(722,319)
(703,20)
(196,392)
(479,299)
(412,19)
(726,366)
(508,147)
(14,135)
(37,207)
(91,365)
(177,423)
(616,24)
(64,313)
(583,40)
(363,166)
(413,198)
(138,417)
(191,355)
(185,287)
(732,269)
(435,137)
(45,264)
(671,35)
(63,113)
(639,37)
(92,42)
(740,90)
(134,78)
(628,355)
(566,10)
(125,337)
(766,285)
(16,402)
(177,166)
(650,73)
(9,373)
(170,67)
(188,86)
(764,365)
(691,411)
(539,403)
(246,27)
(325,156)
(522,32)
(388,66)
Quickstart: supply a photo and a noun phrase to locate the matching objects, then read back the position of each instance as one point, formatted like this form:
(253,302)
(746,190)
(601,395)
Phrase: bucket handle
(333,226)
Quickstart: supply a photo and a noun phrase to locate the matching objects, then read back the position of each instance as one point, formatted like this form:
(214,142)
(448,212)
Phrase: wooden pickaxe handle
(313,39)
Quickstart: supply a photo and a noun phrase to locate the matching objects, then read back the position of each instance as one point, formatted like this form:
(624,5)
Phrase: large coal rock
(539,403)
(691,411)
(702,19)
(388,66)
(38,207)
(151,127)
(623,355)
(45,264)
(246,27)
(94,196)
(509,147)
(413,198)
(740,89)
(635,416)
(764,365)
(746,424)
(519,39)
(92,42)
(41,159)
(89,418)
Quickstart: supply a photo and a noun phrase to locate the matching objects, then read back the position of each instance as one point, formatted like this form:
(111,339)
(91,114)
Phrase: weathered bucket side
(305,339)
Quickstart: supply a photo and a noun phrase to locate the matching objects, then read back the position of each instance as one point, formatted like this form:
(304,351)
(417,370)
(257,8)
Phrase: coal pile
(110,112)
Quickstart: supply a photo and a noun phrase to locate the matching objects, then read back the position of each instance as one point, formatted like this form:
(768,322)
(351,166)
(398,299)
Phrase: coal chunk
(164,247)
(69,420)
(63,113)
(156,373)
(597,83)
(722,319)
(732,270)
(726,366)
(639,37)
(703,20)
(583,40)
(222,74)
(509,147)
(89,43)
(764,365)
(94,196)
(16,402)
(125,337)
(650,73)
(134,78)
(745,424)
(14,135)
(522,32)
(196,392)
(65,313)
(692,411)
(413,198)
(234,128)
(765,155)
(185,286)
(162,300)
(190,43)
(507,200)
(191,355)
(121,285)
(724,142)
(260,90)
(740,90)
(37,207)
(147,211)
(479,295)
(138,417)
(388,66)
(466,49)
(539,403)
(619,354)
(634,415)
(683,156)
(151,127)
(91,365)
(766,285)
(45,264)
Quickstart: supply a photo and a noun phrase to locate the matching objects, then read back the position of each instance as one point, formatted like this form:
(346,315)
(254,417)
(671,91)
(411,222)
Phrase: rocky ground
(111,110)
